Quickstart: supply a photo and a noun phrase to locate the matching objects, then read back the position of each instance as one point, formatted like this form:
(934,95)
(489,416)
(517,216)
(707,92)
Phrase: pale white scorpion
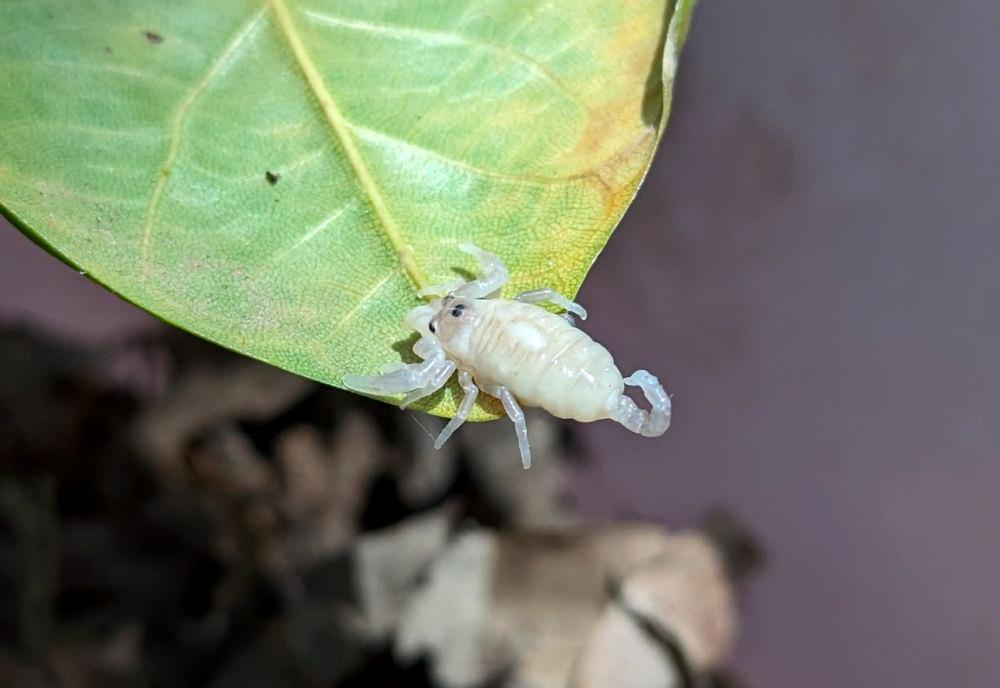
(518,352)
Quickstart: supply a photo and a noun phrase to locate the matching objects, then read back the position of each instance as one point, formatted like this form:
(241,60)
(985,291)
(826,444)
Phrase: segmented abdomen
(544,361)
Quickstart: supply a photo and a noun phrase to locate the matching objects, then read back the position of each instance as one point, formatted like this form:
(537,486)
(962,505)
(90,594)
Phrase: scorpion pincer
(518,352)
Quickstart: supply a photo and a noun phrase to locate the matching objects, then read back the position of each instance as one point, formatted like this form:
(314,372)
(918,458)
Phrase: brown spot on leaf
(272,177)
(153,37)
(634,102)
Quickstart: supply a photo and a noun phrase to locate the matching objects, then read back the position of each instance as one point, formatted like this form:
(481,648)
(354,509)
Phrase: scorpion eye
(431,327)
(456,312)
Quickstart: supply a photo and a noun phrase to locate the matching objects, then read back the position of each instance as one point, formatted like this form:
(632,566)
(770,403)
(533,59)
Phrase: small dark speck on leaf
(153,37)
(272,177)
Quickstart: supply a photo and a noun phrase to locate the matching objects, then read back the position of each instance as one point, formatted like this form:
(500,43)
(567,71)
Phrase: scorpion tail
(653,422)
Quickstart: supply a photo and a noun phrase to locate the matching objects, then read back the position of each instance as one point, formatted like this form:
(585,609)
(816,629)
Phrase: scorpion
(518,352)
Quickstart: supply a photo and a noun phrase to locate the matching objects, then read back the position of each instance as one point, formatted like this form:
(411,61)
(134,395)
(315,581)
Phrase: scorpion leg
(419,379)
(464,409)
(516,415)
(646,423)
(439,377)
(440,289)
(495,274)
(552,296)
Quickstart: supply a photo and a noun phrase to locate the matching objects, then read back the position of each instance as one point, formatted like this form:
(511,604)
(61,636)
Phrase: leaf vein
(319,227)
(433,37)
(342,323)
(528,179)
(70,127)
(177,121)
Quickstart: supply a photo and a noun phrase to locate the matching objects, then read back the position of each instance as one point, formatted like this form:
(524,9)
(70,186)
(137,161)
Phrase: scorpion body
(518,352)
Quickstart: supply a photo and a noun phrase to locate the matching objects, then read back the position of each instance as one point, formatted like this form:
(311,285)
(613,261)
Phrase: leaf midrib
(341,130)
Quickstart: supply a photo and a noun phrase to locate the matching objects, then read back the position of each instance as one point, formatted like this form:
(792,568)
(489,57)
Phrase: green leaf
(278,176)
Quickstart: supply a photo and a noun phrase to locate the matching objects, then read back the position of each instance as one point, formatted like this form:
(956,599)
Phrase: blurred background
(812,265)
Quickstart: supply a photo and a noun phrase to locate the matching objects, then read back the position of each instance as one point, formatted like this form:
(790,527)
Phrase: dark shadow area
(206,520)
